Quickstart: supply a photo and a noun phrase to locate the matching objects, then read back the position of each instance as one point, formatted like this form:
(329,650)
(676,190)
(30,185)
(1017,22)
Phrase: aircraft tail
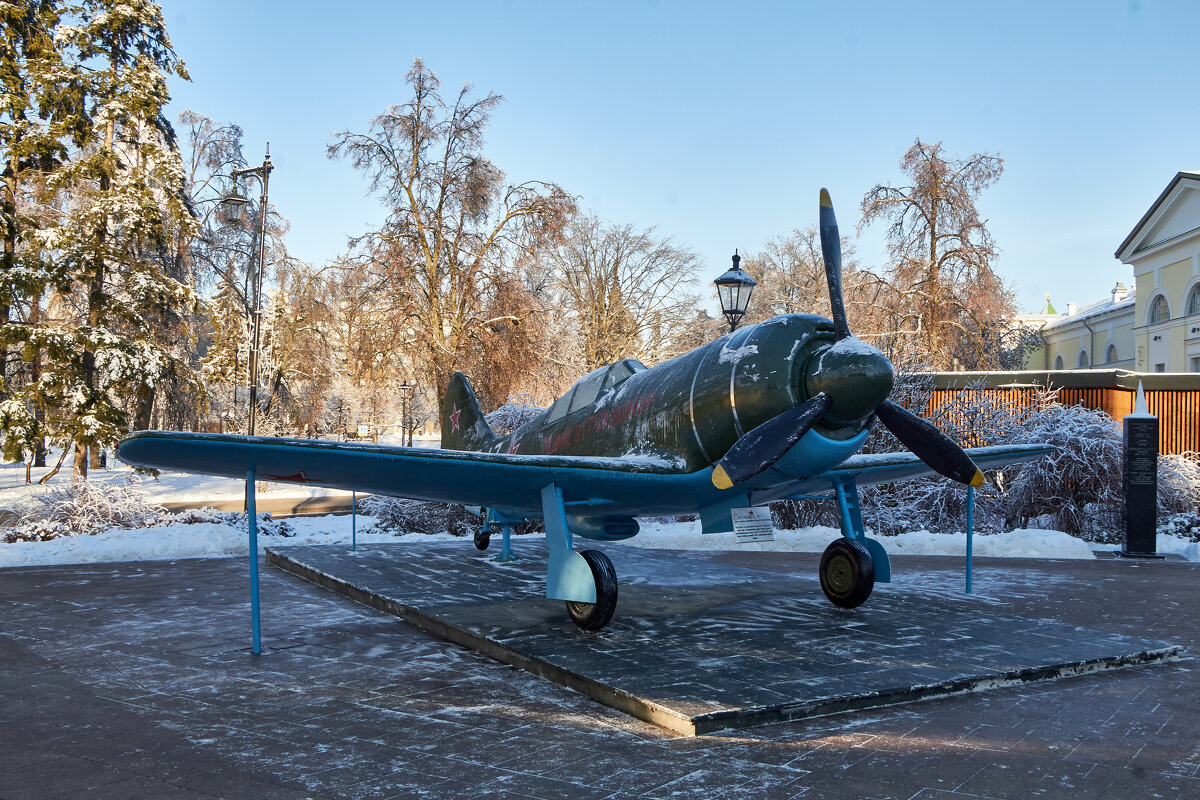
(463,425)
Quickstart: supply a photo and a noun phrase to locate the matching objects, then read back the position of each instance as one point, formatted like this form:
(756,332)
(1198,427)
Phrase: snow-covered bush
(515,412)
(267,525)
(1078,487)
(85,507)
(1178,484)
(402,515)
(82,507)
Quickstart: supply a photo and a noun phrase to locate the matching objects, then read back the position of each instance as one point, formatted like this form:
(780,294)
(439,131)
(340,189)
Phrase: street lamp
(406,392)
(231,208)
(734,289)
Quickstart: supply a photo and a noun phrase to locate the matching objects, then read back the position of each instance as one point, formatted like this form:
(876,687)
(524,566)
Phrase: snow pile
(201,540)
(1028,543)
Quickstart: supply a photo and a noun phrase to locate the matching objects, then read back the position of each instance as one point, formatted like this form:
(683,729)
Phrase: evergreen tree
(126,203)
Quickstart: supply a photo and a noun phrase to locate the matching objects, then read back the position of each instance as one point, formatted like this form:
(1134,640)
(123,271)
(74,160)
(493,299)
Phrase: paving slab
(699,646)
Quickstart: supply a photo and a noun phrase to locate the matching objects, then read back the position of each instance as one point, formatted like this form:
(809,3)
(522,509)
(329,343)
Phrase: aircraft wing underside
(590,485)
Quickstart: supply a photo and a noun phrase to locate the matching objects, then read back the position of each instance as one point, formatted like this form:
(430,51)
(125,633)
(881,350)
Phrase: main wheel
(483,538)
(594,616)
(847,573)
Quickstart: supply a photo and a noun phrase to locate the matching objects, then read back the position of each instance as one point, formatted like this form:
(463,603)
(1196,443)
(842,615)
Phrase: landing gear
(594,616)
(847,573)
(483,538)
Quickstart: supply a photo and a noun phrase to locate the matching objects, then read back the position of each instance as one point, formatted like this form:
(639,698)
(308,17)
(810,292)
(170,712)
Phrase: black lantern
(232,205)
(734,289)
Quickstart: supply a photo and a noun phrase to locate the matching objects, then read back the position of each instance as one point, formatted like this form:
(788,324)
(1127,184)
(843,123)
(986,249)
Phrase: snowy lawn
(213,540)
(169,487)
(208,540)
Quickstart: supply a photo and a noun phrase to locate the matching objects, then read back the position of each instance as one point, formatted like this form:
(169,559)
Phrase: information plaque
(1141,485)
(753,524)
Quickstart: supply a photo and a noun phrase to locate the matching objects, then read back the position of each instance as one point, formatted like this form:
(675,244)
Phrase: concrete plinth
(698,645)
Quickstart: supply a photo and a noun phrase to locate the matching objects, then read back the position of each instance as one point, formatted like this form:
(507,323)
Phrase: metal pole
(264,175)
(354,522)
(256,628)
(970,530)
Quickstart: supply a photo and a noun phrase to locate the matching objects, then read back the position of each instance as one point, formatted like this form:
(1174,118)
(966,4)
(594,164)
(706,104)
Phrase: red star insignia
(295,477)
(454,418)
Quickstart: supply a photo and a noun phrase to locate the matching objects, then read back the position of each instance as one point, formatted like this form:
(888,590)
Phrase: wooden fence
(1177,407)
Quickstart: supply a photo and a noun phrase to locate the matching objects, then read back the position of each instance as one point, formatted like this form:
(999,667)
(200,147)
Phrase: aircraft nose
(855,375)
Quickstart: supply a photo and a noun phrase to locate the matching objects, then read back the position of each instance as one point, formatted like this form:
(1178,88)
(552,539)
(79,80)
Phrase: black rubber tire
(847,573)
(594,616)
(483,539)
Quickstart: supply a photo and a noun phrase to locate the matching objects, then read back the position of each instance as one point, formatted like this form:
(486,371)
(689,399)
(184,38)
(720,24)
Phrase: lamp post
(734,289)
(406,392)
(231,209)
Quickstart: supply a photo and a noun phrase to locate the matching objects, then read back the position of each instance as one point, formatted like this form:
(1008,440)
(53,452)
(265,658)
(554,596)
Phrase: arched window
(1058,362)
(1193,303)
(1159,312)
(1082,361)
(1110,355)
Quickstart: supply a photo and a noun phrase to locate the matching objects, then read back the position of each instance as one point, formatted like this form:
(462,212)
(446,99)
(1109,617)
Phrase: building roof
(1095,310)
(1188,175)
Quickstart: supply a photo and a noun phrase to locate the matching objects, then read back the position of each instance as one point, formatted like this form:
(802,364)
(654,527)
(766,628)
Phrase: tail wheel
(594,616)
(483,538)
(847,573)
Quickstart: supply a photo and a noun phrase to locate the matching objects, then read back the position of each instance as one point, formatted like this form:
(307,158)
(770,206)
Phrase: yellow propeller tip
(825,201)
(978,481)
(720,478)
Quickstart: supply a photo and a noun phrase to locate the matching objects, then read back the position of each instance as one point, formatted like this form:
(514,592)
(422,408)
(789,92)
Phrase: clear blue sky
(719,122)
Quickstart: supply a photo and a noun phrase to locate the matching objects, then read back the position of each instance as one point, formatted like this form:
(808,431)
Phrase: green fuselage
(687,412)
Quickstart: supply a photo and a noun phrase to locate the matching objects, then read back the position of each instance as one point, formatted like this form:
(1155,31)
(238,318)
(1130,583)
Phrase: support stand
(252,518)
(970,531)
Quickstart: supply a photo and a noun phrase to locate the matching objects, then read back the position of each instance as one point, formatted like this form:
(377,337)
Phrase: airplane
(771,411)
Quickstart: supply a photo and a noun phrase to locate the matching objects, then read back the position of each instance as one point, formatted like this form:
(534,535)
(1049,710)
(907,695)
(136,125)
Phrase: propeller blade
(766,444)
(831,252)
(929,444)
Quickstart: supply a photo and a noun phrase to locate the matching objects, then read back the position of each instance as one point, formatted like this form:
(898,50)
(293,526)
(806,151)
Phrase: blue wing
(512,483)
(495,480)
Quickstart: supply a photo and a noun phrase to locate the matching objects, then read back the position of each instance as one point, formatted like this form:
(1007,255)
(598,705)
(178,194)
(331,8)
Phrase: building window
(1110,355)
(1195,363)
(1159,312)
(1058,362)
(1160,367)
(1082,361)
(1193,303)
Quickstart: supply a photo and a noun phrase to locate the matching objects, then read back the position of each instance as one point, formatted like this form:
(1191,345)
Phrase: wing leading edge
(490,479)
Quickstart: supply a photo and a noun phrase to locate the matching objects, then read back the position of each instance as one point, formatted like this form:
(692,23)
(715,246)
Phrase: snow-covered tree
(124,207)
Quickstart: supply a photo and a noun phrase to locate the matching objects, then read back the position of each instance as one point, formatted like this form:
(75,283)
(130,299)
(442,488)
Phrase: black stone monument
(1141,481)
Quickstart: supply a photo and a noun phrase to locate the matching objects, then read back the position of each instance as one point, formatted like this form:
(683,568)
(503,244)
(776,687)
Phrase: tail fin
(463,425)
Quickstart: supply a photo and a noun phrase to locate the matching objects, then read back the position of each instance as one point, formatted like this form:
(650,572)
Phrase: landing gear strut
(847,573)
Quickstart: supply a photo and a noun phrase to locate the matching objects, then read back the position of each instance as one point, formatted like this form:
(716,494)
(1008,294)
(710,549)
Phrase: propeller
(847,382)
(766,444)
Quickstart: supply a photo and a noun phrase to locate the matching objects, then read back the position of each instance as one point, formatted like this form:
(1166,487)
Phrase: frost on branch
(515,412)
(402,515)
(83,507)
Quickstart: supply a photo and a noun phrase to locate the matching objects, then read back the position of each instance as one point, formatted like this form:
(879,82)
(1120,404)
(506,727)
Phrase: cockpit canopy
(591,386)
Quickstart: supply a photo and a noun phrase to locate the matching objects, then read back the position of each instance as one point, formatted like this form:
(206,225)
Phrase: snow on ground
(210,540)
(169,487)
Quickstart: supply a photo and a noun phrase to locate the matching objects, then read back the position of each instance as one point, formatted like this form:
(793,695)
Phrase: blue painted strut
(970,530)
(252,515)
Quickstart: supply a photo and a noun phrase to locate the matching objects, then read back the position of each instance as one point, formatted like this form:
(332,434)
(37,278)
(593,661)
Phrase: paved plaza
(135,680)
